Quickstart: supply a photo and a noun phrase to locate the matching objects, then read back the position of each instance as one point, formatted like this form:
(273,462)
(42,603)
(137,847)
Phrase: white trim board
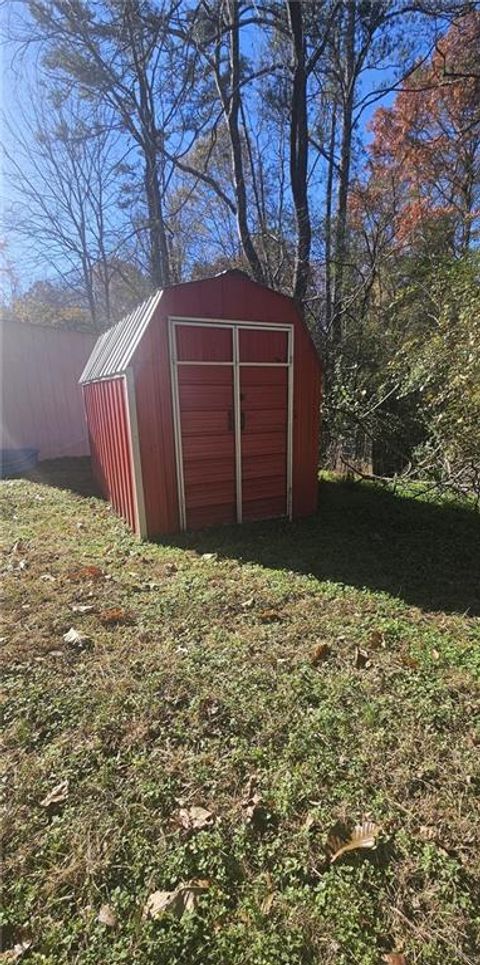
(141,519)
(237,422)
(230,323)
(172,341)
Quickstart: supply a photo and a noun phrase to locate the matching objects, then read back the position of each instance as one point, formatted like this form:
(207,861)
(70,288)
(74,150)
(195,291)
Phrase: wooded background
(331,149)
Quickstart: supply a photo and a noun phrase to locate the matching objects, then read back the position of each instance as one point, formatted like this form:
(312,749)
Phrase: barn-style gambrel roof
(114,350)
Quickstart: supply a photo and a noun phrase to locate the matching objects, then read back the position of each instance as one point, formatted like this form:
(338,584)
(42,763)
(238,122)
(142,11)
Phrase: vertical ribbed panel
(222,298)
(110,444)
(228,297)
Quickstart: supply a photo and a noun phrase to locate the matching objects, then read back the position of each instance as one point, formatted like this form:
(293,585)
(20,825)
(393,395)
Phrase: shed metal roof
(113,351)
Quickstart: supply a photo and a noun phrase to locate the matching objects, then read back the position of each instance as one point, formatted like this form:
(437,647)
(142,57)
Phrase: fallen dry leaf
(195,818)
(183,900)
(363,836)
(82,607)
(361,659)
(426,832)
(267,903)
(57,795)
(256,811)
(248,604)
(209,556)
(269,616)
(319,654)
(251,805)
(115,617)
(107,916)
(250,788)
(376,639)
(409,661)
(395,958)
(161,902)
(15,953)
(192,891)
(86,573)
(309,822)
(170,568)
(79,641)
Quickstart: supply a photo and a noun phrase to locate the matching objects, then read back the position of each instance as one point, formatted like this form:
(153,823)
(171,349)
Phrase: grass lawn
(203,683)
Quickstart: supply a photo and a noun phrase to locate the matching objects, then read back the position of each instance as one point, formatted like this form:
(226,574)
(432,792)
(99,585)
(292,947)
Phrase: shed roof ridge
(114,349)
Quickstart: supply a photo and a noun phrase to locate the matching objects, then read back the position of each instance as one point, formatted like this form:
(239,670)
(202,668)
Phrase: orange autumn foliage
(425,155)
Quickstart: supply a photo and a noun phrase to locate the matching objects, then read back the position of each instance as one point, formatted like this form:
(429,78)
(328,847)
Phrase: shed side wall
(151,367)
(218,298)
(110,444)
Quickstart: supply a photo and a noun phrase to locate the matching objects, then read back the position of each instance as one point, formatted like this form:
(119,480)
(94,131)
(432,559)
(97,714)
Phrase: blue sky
(19,79)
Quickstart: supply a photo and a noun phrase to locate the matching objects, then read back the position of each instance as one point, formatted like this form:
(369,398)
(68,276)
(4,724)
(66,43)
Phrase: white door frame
(174,322)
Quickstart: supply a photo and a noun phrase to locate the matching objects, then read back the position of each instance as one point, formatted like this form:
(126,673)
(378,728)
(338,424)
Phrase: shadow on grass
(424,553)
(364,536)
(74,474)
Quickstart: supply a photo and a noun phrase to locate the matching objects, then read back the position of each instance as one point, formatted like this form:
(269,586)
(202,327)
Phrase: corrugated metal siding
(264,395)
(226,297)
(155,429)
(115,348)
(208,443)
(41,400)
(110,444)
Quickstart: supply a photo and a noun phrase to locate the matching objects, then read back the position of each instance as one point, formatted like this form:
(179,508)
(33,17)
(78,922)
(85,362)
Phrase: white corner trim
(141,520)
(291,343)
(172,342)
(237,424)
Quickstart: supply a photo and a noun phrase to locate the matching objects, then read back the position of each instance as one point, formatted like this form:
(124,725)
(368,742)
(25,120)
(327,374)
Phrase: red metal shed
(203,408)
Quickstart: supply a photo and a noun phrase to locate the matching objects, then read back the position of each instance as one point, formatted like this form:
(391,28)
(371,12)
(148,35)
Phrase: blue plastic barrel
(16,462)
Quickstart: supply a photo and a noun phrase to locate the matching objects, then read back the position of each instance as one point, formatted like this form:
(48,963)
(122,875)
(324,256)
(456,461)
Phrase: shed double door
(232,389)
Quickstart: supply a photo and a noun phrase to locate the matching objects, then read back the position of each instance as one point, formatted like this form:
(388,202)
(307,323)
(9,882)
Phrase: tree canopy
(330,149)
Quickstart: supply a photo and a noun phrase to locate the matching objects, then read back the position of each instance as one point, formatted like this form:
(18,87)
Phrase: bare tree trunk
(159,254)
(299,151)
(467,197)
(328,221)
(149,140)
(258,194)
(232,111)
(341,245)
